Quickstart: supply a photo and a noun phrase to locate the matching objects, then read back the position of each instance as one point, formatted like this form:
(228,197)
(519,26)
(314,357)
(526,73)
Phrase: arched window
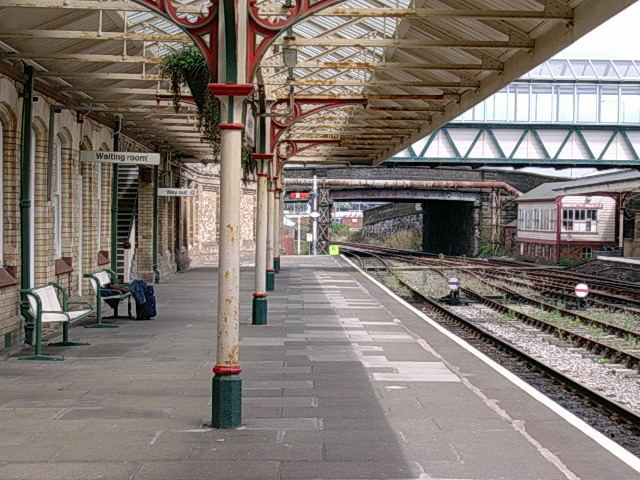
(56,194)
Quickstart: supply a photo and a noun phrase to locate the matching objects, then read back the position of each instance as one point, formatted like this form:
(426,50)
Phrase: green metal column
(114,200)
(25,200)
(259,310)
(154,240)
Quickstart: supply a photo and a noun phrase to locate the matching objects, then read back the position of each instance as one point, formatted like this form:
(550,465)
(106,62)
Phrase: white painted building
(552,225)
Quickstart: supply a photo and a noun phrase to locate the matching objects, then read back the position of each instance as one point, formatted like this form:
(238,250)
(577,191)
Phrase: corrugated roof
(553,190)
(416,68)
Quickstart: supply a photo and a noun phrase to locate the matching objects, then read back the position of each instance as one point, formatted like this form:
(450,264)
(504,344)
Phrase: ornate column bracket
(285,149)
(265,26)
(280,124)
(202,30)
(262,29)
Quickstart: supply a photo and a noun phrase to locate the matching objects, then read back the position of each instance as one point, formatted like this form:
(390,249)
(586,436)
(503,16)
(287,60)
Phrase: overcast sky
(615,39)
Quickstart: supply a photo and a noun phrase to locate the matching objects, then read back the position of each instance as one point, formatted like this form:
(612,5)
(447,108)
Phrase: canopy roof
(412,65)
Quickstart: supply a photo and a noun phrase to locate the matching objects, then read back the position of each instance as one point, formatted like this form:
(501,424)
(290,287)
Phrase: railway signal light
(299,195)
(582,290)
(454,294)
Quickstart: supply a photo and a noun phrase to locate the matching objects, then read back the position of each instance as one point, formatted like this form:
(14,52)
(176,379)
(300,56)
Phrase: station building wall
(78,206)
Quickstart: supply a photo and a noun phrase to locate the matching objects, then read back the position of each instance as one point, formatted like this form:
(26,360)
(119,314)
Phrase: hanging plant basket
(187,67)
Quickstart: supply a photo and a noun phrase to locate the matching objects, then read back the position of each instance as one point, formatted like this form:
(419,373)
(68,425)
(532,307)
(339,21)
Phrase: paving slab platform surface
(345,383)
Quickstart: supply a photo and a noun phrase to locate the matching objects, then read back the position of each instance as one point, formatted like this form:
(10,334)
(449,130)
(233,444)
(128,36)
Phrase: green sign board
(334,250)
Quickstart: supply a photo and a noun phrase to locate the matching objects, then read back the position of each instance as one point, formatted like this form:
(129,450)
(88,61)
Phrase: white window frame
(57,198)
(573,223)
(99,205)
(32,210)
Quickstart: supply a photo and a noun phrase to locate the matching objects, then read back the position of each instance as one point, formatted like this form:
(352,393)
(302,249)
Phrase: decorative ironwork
(324,220)
(202,29)
(285,149)
(263,29)
(296,114)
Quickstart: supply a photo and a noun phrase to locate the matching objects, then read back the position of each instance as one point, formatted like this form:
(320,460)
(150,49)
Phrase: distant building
(352,219)
(553,225)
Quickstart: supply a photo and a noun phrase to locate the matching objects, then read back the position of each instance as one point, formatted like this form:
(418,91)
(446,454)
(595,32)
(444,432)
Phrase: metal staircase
(128,179)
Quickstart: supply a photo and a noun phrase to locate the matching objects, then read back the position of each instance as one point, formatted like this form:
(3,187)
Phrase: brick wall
(144,246)
(10,321)
(86,208)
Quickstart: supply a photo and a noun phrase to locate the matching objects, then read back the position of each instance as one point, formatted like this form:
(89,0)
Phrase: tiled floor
(344,383)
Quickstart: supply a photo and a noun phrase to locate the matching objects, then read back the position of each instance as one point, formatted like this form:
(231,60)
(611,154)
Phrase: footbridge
(564,113)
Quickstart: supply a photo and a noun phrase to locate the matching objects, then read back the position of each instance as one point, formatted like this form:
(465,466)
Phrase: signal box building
(552,225)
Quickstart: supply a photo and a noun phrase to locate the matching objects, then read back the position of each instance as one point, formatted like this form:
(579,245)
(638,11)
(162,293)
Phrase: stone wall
(382,222)
(204,210)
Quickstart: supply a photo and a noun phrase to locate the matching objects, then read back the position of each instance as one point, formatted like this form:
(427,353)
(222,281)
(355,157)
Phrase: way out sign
(177,192)
(125,158)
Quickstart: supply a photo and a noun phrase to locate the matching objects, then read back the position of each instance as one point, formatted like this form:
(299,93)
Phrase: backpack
(148,309)
(145,298)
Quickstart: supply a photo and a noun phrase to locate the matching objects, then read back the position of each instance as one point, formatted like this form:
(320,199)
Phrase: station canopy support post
(271,205)
(259,306)
(277,232)
(233,36)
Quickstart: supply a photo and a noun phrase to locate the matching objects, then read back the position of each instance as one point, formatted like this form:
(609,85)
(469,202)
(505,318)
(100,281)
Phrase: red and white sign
(454,283)
(299,195)
(582,290)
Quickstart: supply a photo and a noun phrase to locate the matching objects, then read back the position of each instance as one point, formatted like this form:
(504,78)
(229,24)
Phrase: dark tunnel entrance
(448,227)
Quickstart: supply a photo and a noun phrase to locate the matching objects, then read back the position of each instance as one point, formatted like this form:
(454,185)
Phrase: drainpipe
(25,198)
(114,199)
(154,235)
(620,223)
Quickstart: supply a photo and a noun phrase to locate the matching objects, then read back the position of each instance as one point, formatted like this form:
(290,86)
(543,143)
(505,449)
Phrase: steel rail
(550,288)
(630,359)
(443,312)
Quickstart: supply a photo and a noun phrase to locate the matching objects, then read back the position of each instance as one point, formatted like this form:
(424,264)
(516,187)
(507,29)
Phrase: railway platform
(345,382)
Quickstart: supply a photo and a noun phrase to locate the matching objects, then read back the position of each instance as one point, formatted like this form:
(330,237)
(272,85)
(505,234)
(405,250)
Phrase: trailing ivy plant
(187,66)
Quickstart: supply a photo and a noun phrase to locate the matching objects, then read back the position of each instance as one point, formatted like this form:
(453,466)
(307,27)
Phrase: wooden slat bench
(100,280)
(44,306)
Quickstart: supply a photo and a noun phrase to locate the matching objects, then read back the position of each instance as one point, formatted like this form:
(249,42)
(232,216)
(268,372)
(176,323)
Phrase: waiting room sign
(125,158)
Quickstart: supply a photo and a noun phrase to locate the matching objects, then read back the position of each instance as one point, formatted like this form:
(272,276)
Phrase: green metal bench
(100,280)
(44,307)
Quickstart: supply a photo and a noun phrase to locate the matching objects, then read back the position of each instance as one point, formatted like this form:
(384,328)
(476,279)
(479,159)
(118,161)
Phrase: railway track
(605,414)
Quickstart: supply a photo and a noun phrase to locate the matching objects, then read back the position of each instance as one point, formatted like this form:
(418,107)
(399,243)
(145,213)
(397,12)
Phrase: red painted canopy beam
(261,30)
(203,30)
(279,124)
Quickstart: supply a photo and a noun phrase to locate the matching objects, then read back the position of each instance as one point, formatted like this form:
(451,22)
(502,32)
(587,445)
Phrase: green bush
(568,262)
